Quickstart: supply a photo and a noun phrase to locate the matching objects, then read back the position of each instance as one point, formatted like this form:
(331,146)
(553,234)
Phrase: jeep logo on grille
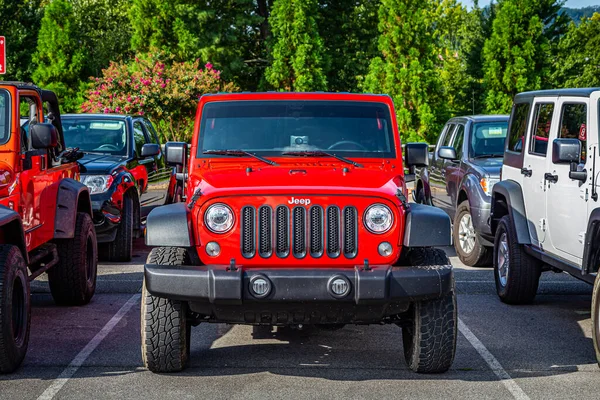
(299,201)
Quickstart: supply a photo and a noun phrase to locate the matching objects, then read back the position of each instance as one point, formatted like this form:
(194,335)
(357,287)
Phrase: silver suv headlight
(219,218)
(97,183)
(378,218)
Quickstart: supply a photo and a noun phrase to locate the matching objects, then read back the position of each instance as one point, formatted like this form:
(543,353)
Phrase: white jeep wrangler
(546,209)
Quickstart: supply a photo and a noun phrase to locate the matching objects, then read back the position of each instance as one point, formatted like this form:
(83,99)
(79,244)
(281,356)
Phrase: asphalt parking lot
(541,351)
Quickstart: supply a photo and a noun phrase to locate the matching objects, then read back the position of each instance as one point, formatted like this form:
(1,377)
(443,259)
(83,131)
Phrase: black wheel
(165,329)
(430,336)
(596,318)
(15,308)
(73,279)
(517,274)
(121,248)
(466,241)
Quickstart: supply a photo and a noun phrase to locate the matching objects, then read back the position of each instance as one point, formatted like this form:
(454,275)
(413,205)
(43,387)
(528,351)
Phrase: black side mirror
(150,150)
(416,155)
(176,153)
(566,151)
(447,153)
(43,136)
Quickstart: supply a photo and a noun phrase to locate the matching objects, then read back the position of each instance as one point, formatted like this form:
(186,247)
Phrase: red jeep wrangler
(296,214)
(45,216)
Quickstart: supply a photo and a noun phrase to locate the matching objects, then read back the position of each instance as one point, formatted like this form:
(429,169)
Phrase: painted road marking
(492,362)
(80,358)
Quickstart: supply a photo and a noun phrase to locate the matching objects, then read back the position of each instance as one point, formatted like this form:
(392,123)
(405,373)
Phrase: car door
(454,170)
(535,161)
(437,179)
(567,198)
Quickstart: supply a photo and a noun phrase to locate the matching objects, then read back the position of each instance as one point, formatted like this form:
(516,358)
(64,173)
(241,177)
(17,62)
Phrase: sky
(569,3)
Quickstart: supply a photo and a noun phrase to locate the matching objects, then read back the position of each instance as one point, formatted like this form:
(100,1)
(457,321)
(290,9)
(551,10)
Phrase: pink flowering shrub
(165,91)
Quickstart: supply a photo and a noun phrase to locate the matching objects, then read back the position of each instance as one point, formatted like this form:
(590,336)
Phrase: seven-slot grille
(299,231)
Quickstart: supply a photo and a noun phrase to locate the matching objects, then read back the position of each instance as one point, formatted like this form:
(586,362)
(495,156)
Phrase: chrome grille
(299,230)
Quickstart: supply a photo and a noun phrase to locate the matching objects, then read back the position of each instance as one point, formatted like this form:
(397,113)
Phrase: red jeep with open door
(45,215)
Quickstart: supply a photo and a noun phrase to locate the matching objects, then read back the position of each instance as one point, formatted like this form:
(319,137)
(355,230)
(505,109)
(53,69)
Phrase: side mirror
(447,153)
(43,136)
(566,151)
(176,153)
(150,150)
(416,155)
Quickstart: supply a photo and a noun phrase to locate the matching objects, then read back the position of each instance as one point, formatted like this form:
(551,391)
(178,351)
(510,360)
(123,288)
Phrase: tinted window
(447,135)
(4,116)
(152,135)
(95,135)
(488,138)
(459,138)
(541,129)
(138,137)
(518,127)
(347,128)
(573,124)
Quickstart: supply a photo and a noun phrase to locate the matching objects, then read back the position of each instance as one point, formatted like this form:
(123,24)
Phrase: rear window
(4,116)
(518,127)
(346,128)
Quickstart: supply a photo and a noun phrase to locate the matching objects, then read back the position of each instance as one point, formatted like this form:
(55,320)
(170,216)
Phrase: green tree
(297,48)
(408,68)
(518,55)
(19,23)
(59,58)
(578,57)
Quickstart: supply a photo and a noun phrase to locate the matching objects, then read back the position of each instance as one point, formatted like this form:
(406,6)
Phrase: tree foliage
(297,47)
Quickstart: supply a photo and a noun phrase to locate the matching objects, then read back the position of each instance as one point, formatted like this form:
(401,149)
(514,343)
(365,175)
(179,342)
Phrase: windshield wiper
(239,153)
(488,156)
(321,153)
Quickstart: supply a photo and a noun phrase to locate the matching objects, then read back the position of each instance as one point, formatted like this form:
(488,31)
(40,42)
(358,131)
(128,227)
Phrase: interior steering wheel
(342,143)
(108,147)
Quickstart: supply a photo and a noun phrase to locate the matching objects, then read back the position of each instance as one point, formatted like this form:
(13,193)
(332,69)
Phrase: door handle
(527,172)
(551,178)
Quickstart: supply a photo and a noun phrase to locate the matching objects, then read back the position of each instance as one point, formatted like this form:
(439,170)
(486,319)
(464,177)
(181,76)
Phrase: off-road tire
(430,336)
(524,270)
(121,249)
(480,256)
(165,329)
(420,196)
(596,318)
(13,275)
(73,279)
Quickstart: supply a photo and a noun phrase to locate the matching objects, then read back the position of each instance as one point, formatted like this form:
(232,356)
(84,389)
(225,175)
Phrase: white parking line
(80,358)
(492,362)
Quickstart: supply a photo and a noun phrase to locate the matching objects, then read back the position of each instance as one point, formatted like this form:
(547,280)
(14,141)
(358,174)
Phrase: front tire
(430,337)
(517,274)
(73,279)
(165,329)
(15,308)
(121,249)
(596,318)
(468,247)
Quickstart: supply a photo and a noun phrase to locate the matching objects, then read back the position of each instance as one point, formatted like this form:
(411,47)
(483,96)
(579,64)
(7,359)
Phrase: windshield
(346,128)
(4,116)
(96,135)
(488,139)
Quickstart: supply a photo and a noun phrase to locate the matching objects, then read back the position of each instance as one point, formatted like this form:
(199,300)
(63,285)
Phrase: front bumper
(481,223)
(106,217)
(298,295)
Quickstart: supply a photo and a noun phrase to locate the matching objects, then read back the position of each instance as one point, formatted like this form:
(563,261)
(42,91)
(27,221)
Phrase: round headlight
(218,218)
(378,218)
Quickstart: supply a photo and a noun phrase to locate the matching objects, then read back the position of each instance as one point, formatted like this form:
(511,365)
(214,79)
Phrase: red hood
(296,178)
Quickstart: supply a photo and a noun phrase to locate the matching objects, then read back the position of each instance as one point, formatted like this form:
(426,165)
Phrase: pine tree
(297,48)
(59,57)
(408,68)
(518,55)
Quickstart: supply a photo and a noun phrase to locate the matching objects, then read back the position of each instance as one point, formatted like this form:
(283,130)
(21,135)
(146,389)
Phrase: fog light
(213,249)
(339,286)
(260,286)
(385,249)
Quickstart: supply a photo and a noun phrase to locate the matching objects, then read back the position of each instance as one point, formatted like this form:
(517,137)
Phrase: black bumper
(106,218)
(298,295)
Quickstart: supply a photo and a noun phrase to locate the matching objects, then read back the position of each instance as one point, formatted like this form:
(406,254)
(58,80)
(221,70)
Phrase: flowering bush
(152,85)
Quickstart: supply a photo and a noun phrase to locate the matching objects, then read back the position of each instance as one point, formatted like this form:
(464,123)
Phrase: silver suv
(546,210)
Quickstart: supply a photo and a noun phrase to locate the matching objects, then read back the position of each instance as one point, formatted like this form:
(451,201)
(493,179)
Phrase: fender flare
(513,194)
(427,226)
(423,177)
(11,228)
(591,250)
(72,197)
(169,225)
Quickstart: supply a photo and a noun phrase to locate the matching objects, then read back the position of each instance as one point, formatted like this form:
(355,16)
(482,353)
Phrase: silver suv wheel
(466,234)
(503,259)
